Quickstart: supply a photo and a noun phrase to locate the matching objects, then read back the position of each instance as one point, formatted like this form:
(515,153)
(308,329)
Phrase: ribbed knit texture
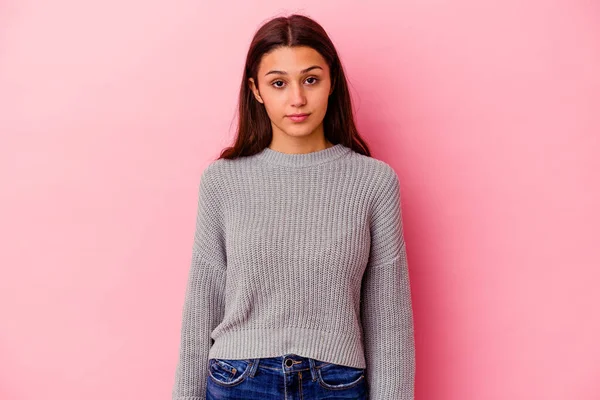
(303,254)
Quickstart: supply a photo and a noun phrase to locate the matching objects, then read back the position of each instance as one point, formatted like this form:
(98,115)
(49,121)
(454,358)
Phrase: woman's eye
(275,84)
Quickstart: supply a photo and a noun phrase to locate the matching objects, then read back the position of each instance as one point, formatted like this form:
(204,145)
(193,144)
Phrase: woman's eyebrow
(285,73)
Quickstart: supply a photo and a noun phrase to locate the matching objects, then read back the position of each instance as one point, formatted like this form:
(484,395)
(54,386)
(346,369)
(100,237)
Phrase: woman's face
(293,80)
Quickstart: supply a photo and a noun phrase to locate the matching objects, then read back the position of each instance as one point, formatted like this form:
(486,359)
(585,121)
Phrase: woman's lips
(298,118)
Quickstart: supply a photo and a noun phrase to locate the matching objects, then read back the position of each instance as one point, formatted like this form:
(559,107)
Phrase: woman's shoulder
(375,169)
(219,168)
(213,175)
(222,171)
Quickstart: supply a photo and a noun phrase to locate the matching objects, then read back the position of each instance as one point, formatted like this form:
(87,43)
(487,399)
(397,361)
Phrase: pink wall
(488,110)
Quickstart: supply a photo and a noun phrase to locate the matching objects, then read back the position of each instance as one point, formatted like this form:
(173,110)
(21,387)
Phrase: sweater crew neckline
(302,159)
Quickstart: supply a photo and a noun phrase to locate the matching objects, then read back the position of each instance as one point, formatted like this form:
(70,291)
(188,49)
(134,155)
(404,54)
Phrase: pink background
(488,111)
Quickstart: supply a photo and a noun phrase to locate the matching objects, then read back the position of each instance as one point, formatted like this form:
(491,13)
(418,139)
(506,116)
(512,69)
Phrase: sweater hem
(338,348)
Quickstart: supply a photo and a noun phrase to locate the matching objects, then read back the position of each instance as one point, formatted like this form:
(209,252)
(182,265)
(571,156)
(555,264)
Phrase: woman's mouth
(298,117)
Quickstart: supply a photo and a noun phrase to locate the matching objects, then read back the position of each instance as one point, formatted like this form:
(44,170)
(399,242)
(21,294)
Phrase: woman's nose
(298,97)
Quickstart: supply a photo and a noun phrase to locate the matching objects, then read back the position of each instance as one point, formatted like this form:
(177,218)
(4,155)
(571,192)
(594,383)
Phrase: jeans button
(289,362)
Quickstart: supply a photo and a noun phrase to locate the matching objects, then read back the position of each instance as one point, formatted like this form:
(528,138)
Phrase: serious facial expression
(293,80)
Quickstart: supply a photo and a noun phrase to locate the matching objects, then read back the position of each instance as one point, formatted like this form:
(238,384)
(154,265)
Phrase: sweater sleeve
(203,306)
(386,306)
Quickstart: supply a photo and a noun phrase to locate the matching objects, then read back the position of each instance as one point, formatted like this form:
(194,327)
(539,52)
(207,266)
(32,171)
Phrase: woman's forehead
(292,60)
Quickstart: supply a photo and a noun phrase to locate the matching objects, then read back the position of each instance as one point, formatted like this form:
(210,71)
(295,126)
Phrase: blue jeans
(288,377)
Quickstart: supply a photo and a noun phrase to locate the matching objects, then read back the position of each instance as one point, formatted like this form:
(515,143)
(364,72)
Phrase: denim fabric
(288,377)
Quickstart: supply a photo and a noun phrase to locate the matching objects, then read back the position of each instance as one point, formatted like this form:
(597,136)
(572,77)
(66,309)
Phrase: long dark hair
(254,131)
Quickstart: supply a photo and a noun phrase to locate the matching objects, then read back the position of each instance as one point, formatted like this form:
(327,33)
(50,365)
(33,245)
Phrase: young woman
(299,285)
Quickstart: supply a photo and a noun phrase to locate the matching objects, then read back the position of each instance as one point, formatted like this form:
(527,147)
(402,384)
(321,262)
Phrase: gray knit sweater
(304,254)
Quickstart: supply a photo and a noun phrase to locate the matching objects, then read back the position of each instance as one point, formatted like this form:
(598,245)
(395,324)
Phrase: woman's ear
(254,90)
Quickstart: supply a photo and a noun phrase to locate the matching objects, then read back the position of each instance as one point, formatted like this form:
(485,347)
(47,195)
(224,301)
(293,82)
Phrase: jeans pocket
(228,372)
(338,377)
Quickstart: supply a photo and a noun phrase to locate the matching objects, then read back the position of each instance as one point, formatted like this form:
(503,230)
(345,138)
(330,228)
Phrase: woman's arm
(386,306)
(204,302)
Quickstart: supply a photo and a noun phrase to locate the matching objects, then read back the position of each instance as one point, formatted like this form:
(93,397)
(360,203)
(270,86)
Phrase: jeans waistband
(288,363)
